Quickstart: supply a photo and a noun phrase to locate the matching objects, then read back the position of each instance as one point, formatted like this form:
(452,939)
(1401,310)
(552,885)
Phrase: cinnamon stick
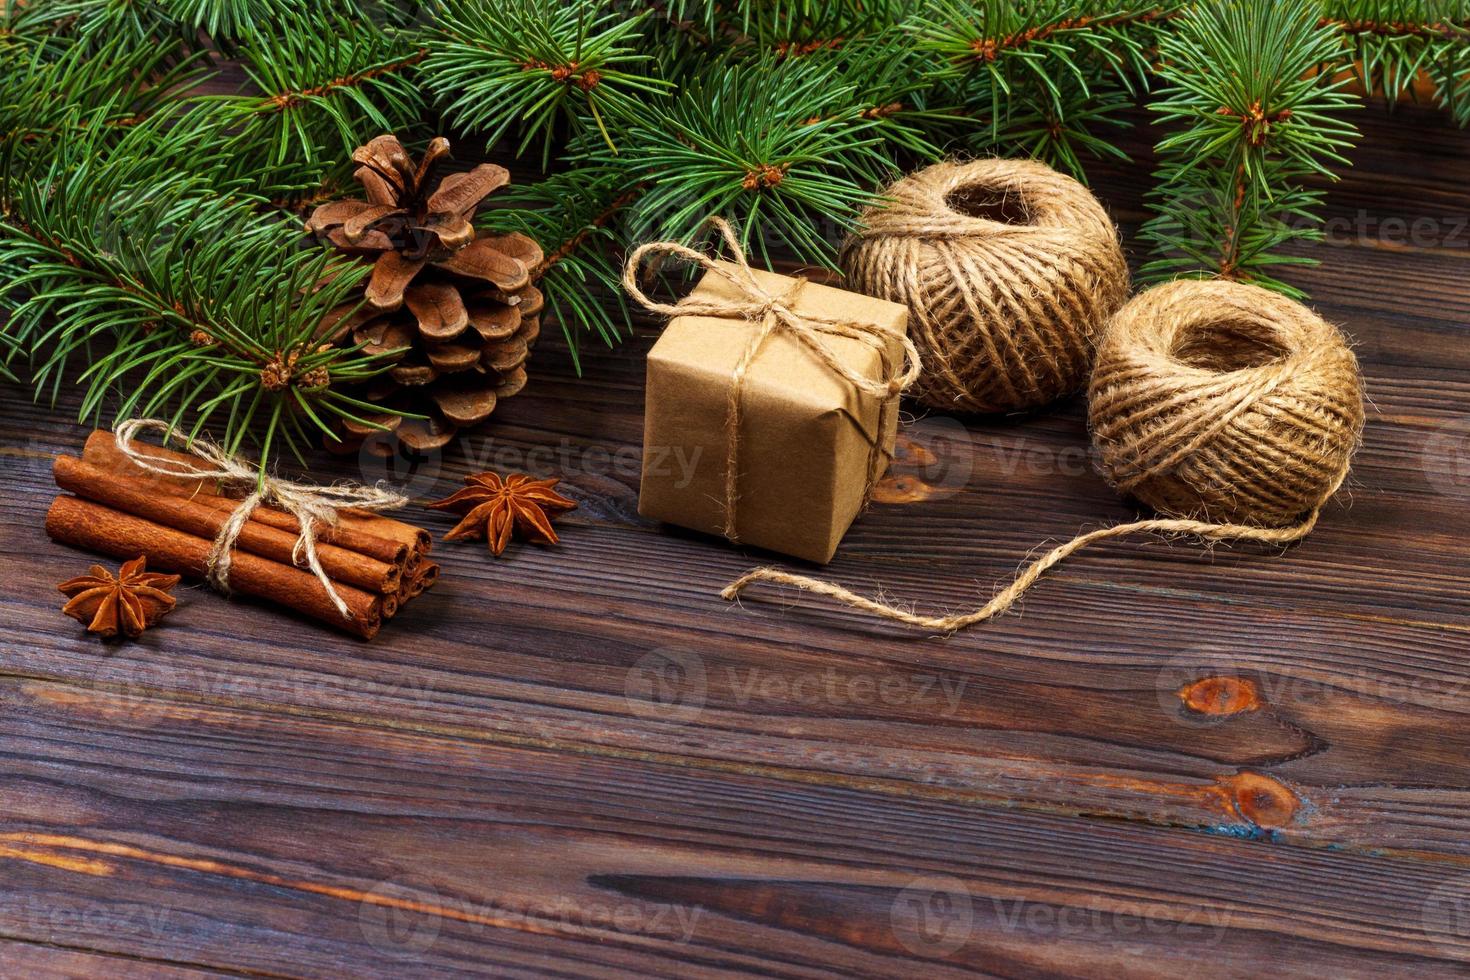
(101,450)
(418,581)
(96,527)
(386,527)
(424,580)
(181,513)
(380,549)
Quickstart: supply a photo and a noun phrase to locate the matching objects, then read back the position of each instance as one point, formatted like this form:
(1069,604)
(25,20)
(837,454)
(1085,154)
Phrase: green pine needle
(141,257)
(166,294)
(1255,114)
(529,64)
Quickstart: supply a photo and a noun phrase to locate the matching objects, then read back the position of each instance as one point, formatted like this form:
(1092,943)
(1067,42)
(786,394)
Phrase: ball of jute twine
(1009,270)
(1226,403)
(1232,411)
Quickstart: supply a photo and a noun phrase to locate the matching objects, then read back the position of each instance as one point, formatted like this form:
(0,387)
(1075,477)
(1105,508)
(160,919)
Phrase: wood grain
(450,857)
(1162,732)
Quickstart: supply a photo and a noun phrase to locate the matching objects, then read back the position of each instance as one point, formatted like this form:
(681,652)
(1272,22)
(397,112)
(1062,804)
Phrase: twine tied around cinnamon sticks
(773,314)
(313,507)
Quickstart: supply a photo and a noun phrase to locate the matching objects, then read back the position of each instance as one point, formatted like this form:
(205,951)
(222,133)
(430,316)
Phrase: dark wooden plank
(1354,645)
(1114,740)
(35,961)
(296,849)
(544,647)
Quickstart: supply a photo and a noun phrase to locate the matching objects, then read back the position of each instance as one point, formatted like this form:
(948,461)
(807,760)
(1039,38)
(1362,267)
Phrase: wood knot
(900,487)
(1261,800)
(1221,696)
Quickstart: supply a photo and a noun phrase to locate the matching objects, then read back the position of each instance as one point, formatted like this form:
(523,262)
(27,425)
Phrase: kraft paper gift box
(805,449)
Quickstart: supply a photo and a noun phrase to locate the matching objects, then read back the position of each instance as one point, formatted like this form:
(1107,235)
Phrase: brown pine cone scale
(453,310)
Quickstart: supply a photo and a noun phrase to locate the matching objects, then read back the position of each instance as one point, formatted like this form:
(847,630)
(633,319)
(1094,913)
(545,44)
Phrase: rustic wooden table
(580,761)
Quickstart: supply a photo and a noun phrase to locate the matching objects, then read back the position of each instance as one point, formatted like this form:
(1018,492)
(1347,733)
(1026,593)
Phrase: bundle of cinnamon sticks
(119,509)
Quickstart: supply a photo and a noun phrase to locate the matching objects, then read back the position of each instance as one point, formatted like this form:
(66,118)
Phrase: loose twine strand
(1258,433)
(776,313)
(1008,597)
(313,506)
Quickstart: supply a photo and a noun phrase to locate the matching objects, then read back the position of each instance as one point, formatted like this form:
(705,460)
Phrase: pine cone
(458,308)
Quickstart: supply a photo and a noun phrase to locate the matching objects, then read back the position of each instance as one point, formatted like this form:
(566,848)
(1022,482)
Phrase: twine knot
(777,313)
(312,506)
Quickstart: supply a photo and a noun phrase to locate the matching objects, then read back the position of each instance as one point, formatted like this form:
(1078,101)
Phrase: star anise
(494,509)
(128,604)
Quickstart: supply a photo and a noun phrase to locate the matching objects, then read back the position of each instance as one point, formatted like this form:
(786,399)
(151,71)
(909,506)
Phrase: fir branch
(1445,20)
(160,295)
(1450,73)
(48,81)
(1259,116)
(1034,126)
(892,87)
(1002,44)
(138,23)
(798,27)
(570,215)
(587,230)
(318,98)
(1040,77)
(781,147)
(1395,45)
(671,14)
(530,63)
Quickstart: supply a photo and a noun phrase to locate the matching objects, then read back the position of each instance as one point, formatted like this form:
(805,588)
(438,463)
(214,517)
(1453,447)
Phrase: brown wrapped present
(772,405)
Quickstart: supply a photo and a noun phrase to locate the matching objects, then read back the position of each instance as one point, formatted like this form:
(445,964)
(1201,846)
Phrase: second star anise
(495,508)
(127,604)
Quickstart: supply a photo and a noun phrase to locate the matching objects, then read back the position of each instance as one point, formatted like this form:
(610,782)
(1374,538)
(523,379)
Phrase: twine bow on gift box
(776,313)
(312,506)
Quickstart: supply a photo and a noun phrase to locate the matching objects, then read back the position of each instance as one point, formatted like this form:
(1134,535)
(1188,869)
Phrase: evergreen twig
(203,304)
(530,63)
(134,213)
(1258,116)
(316,98)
